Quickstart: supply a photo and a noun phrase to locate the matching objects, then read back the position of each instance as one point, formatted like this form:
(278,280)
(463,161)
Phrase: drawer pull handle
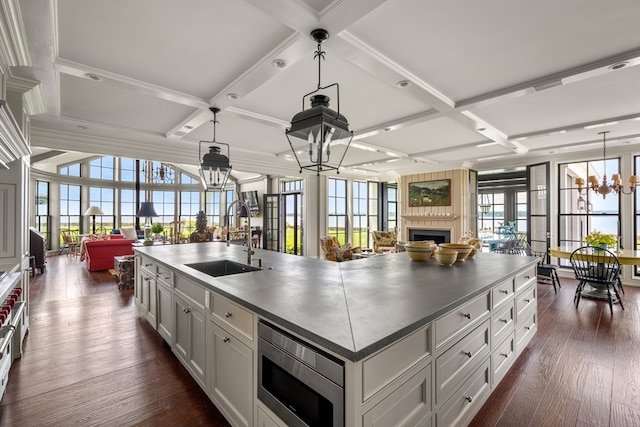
(468,399)
(504,291)
(186,310)
(147,278)
(504,355)
(527,277)
(527,300)
(226,339)
(528,328)
(504,320)
(468,353)
(148,265)
(227,314)
(467,315)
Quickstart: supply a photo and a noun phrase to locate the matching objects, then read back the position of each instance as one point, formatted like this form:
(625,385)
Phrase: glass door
(539,226)
(292,227)
(271,222)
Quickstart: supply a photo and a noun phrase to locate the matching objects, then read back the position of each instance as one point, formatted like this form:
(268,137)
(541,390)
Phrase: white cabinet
(146,295)
(231,375)
(190,338)
(164,315)
(408,405)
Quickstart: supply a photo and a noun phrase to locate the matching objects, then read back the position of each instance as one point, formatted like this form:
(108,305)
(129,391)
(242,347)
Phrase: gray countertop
(352,308)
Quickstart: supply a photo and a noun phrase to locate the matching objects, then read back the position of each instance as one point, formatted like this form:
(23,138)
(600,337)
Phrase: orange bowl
(463,249)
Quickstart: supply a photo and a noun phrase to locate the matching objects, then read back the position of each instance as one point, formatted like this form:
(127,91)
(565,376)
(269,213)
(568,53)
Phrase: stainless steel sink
(222,267)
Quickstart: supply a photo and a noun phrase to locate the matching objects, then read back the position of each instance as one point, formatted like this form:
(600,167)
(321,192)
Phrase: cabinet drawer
(382,368)
(165,274)
(502,293)
(502,323)
(467,400)
(453,366)
(190,289)
(525,330)
(233,315)
(526,301)
(524,278)
(413,397)
(455,321)
(148,264)
(502,358)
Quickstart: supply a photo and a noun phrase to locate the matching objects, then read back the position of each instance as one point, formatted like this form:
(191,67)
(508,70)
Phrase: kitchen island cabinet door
(164,313)
(190,338)
(231,368)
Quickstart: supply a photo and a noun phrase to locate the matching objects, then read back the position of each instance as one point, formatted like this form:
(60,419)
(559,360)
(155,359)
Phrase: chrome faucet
(248,234)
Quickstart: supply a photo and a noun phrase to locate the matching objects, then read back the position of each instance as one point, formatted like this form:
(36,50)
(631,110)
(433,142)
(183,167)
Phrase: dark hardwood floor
(90,360)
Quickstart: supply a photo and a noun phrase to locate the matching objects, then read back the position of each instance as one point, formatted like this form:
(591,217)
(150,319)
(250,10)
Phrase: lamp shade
(146,209)
(93,210)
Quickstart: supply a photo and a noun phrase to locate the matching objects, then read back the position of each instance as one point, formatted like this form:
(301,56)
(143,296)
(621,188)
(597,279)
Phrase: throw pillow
(129,233)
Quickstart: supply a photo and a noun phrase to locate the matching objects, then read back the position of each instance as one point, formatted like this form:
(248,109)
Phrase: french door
(539,205)
(283,225)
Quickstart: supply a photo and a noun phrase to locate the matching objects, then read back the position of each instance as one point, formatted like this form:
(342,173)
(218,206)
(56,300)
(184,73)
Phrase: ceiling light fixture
(319,126)
(279,63)
(403,83)
(606,188)
(162,174)
(215,168)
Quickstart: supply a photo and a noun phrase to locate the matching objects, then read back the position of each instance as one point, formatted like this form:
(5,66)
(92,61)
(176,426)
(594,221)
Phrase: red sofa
(99,253)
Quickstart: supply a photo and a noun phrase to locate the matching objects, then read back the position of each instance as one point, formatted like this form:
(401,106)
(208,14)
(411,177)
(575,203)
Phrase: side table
(124,268)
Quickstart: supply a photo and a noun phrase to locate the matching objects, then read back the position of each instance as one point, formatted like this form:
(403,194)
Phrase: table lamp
(147,210)
(93,211)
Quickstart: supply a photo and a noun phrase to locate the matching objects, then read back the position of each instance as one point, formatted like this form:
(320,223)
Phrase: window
(189,208)
(164,203)
(582,213)
(187,179)
(360,217)
(392,207)
(491,211)
(42,210)
(212,207)
(102,168)
(70,207)
(228,200)
(374,209)
(128,170)
(292,186)
(521,211)
(128,208)
(103,198)
(337,209)
(71,170)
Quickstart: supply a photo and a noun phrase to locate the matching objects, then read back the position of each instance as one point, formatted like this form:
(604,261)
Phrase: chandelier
(605,188)
(215,168)
(485,206)
(319,126)
(163,173)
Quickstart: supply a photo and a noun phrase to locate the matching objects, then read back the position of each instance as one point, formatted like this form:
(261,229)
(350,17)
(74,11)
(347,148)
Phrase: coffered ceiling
(426,85)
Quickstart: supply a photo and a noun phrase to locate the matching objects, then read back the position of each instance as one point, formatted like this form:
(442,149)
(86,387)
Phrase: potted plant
(157,228)
(598,239)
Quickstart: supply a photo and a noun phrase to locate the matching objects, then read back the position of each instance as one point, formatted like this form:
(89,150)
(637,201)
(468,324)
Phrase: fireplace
(439,236)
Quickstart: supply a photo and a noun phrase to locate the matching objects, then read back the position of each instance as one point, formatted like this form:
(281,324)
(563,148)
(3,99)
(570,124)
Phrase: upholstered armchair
(334,251)
(384,240)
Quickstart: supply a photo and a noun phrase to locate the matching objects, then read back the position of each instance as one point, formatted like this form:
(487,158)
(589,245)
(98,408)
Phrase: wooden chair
(600,269)
(70,241)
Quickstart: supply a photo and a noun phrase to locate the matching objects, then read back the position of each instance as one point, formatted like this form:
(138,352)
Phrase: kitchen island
(390,320)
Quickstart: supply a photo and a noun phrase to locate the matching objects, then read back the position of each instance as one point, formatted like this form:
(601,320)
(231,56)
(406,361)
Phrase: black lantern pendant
(320,126)
(215,168)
